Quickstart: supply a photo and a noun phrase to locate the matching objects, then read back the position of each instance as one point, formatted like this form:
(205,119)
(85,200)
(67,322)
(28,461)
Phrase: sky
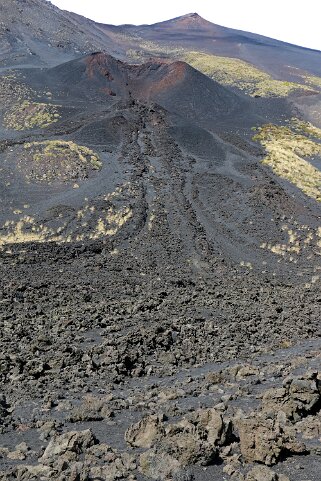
(288,20)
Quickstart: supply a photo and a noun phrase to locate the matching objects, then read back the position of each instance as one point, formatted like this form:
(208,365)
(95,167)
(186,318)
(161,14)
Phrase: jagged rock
(78,472)
(245,371)
(230,469)
(49,429)
(72,443)
(215,377)
(39,471)
(170,394)
(218,429)
(16,455)
(269,432)
(20,452)
(263,440)
(195,439)
(146,432)
(310,427)
(3,452)
(298,398)
(115,466)
(157,465)
(263,473)
(75,458)
(204,427)
(188,444)
(92,409)
(107,454)
(118,466)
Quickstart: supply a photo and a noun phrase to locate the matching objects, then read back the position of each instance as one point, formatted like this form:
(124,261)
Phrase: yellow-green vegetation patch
(89,223)
(28,230)
(110,224)
(25,230)
(12,90)
(29,115)
(57,161)
(147,49)
(306,128)
(313,80)
(287,148)
(298,239)
(243,75)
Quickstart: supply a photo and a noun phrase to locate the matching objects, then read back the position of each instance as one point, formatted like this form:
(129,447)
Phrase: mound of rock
(75,456)
(92,409)
(263,473)
(207,435)
(264,440)
(270,432)
(69,445)
(196,439)
(146,432)
(298,397)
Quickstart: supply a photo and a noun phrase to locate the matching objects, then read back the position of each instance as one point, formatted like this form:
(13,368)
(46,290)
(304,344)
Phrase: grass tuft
(29,115)
(287,148)
(57,160)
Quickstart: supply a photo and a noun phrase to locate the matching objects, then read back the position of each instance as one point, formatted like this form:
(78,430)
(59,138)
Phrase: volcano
(160,250)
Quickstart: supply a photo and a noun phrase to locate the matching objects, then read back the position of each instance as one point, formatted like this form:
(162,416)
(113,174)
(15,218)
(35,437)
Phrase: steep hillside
(176,86)
(36,33)
(160,251)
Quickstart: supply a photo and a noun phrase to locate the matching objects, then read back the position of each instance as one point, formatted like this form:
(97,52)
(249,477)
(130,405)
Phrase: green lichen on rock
(288,147)
(29,115)
(57,161)
(243,75)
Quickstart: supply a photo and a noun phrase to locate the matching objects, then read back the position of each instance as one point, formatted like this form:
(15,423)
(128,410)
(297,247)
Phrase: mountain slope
(45,35)
(176,86)
(160,252)
(35,32)
(193,32)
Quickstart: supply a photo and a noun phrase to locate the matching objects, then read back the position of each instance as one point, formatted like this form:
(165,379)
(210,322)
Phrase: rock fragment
(71,444)
(263,473)
(146,432)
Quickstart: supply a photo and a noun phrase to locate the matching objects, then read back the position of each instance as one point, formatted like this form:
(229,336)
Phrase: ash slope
(195,33)
(132,223)
(44,35)
(36,33)
(175,86)
(171,110)
(191,31)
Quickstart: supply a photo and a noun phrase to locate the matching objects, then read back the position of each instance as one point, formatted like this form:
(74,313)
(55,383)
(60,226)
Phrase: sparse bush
(243,75)
(287,147)
(58,160)
(29,115)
